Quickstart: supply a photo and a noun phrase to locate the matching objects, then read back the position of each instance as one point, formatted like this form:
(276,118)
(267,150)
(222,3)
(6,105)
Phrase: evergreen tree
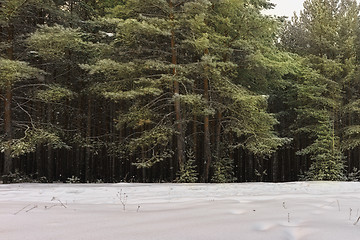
(204,40)
(198,90)
(188,173)
(328,33)
(21,134)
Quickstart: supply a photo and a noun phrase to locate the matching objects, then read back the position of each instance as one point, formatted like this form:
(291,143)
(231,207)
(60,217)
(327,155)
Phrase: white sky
(286,7)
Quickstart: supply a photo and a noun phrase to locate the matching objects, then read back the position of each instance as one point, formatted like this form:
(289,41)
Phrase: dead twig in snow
(350,213)
(22,209)
(46,207)
(35,206)
(54,198)
(62,204)
(357,221)
(123,199)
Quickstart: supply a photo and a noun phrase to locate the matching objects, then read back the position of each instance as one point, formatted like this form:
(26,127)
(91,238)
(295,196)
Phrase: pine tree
(196,48)
(21,134)
(328,30)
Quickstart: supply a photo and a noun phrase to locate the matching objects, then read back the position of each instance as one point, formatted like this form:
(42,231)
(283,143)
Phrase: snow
(280,211)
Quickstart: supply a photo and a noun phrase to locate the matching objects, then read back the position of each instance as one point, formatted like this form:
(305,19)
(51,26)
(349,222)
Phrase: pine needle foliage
(188,172)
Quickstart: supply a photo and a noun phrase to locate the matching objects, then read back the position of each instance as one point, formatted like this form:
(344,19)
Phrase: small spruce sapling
(187,172)
(223,167)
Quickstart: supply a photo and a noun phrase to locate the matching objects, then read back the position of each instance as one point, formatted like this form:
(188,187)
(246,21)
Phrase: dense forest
(178,91)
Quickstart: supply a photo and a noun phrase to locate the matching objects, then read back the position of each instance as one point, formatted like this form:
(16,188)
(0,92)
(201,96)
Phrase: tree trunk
(39,162)
(218,135)
(50,159)
(195,132)
(178,120)
(8,130)
(7,107)
(275,167)
(88,136)
(207,150)
(143,169)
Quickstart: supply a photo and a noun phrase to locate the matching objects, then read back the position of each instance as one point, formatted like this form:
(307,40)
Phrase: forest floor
(127,211)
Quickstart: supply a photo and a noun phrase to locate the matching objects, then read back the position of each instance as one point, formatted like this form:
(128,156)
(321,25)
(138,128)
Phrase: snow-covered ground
(282,211)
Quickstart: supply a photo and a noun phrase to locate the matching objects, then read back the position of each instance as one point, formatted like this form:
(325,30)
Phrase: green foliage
(93,145)
(148,162)
(56,42)
(324,98)
(265,144)
(196,103)
(187,172)
(20,177)
(12,71)
(354,175)
(73,179)
(249,119)
(32,139)
(157,136)
(111,69)
(54,93)
(327,159)
(136,117)
(130,29)
(351,137)
(318,102)
(142,82)
(11,9)
(223,171)
(132,94)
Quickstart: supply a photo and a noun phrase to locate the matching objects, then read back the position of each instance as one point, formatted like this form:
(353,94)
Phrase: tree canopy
(186,91)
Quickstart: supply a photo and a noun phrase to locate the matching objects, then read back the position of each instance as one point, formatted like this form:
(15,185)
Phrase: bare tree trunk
(39,162)
(88,136)
(180,132)
(275,167)
(7,107)
(195,131)
(207,150)
(251,168)
(50,159)
(8,130)
(112,139)
(143,169)
(218,134)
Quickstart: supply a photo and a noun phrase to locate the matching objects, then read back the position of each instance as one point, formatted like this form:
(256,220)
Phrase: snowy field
(282,211)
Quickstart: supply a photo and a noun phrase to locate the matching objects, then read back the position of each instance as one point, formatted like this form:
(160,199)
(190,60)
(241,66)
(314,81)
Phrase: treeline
(173,90)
